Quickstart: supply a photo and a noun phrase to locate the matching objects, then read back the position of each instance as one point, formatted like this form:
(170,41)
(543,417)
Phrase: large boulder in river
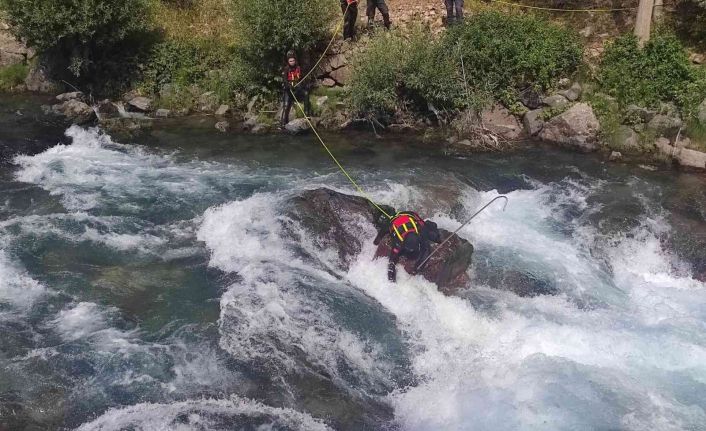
(75,110)
(576,128)
(339,222)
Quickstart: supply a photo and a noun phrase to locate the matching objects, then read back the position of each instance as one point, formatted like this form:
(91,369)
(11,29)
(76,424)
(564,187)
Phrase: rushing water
(149,286)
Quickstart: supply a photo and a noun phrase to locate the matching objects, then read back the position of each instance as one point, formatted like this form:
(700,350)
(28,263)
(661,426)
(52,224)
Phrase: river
(145,284)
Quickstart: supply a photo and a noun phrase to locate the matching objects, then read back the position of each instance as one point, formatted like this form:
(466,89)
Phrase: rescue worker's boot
(371,23)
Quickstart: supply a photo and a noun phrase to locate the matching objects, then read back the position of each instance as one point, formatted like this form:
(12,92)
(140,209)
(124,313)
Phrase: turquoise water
(147,284)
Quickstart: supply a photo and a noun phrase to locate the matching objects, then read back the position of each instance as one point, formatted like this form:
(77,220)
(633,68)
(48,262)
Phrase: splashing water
(147,288)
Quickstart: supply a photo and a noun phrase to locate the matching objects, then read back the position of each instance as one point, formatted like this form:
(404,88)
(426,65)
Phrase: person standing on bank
(382,7)
(292,75)
(350,17)
(454,11)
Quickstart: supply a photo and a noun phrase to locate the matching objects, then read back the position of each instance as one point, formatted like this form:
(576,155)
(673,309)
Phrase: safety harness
(405,223)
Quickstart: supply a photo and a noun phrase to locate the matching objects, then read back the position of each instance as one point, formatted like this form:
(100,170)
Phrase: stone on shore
(142,104)
(533,122)
(576,128)
(298,126)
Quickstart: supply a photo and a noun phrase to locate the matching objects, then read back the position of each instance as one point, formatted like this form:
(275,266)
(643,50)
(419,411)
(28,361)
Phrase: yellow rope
(524,6)
(333,38)
(340,166)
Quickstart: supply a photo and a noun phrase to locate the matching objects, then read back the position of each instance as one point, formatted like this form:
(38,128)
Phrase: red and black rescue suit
(411,237)
(291,77)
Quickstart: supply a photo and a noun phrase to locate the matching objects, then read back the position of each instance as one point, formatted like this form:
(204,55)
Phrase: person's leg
(286,107)
(350,13)
(385,11)
(370,11)
(459,10)
(449,11)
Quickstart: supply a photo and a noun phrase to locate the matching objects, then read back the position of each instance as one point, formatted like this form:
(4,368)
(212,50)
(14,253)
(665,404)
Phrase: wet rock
(664,124)
(106,108)
(125,126)
(163,113)
(576,128)
(70,96)
(298,126)
(337,221)
(574,93)
(141,103)
(533,122)
(222,126)
(556,101)
(222,111)
(615,156)
(501,122)
(75,110)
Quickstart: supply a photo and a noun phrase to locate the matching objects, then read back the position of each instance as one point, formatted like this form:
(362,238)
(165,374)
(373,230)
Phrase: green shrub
(659,72)
(12,76)
(267,29)
(193,66)
(93,39)
(505,53)
(397,70)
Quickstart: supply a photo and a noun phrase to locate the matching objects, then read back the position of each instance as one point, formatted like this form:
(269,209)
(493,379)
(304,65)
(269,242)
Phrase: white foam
(88,322)
(95,171)
(205,414)
(529,363)
(270,308)
(17,288)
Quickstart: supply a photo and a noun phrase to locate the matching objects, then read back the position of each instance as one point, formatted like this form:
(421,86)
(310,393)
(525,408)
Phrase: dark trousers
(451,7)
(288,102)
(350,16)
(382,7)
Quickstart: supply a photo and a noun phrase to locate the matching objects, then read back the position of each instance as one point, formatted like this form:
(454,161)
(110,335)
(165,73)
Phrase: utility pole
(644,21)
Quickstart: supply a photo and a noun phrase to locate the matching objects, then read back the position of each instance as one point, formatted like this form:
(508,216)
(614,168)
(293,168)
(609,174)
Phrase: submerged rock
(338,222)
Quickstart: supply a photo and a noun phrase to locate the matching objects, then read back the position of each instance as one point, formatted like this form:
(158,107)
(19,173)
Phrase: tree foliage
(267,29)
(86,37)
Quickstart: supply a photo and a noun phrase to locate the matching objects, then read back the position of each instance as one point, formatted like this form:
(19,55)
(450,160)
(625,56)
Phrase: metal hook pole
(421,265)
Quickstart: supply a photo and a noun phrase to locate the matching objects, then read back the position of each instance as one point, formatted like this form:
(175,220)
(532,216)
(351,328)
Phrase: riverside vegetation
(475,81)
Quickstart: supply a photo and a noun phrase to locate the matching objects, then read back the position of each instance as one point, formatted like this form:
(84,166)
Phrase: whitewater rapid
(301,343)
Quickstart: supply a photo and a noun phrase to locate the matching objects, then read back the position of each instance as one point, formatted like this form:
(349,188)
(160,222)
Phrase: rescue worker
(382,7)
(350,17)
(454,11)
(291,79)
(411,237)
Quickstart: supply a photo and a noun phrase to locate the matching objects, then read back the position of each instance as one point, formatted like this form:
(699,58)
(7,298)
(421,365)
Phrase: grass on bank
(192,19)
(12,76)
